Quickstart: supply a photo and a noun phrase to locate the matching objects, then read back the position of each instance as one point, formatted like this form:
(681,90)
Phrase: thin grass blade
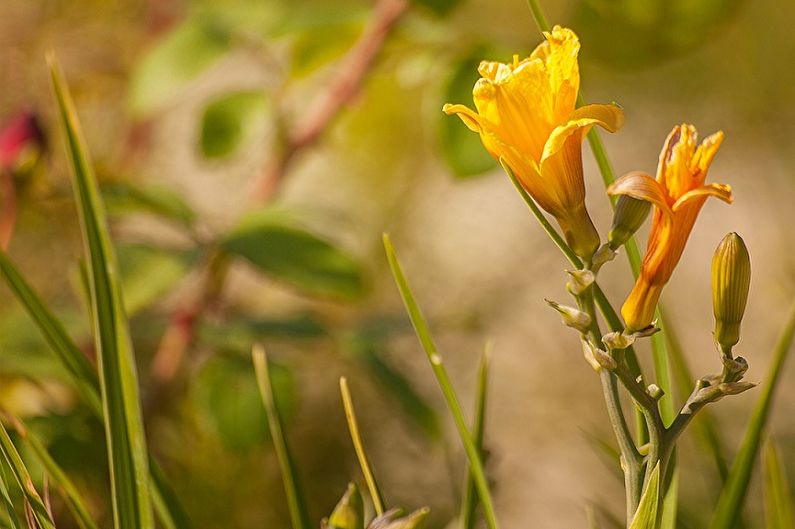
(358,445)
(471,500)
(9,505)
(732,497)
(127,455)
(22,476)
(778,499)
(292,487)
(71,495)
(424,335)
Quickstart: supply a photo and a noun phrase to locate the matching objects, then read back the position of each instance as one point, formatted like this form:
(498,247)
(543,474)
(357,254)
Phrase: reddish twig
(321,112)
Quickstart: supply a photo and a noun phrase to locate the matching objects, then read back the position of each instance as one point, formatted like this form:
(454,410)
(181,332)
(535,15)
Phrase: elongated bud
(731,277)
(579,281)
(349,512)
(572,317)
(629,215)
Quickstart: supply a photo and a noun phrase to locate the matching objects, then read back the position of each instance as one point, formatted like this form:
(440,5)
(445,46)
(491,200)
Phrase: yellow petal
(608,116)
(470,118)
(641,186)
(721,191)
(559,54)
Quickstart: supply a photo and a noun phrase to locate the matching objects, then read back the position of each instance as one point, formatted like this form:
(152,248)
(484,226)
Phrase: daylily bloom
(678,194)
(526,116)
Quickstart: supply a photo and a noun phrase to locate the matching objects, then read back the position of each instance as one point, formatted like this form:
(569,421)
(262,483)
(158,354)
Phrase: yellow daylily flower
(678,194)
(526,116)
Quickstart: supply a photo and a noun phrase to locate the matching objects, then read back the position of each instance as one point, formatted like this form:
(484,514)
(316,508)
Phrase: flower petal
(721,191)
(608,116)
(470,118)
(641,186)
(706,152)
(559,54)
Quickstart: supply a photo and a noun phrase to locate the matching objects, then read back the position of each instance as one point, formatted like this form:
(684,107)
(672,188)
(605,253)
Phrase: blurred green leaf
(778,500)
(227,397)
(166,69)
(461,148)
(148,273)
(631,33)
(276,244)
(123,198)
(127,455)
(368,346)
(439,7)
(732,497)
(229,120)
(324,42)
(647,513)
(9,505)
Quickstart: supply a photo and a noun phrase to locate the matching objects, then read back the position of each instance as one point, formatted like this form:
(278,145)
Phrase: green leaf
(71,496)
(123,197)
(148,273)
(166,69)
(323,37)
(648,509)
(25,483)
(292,488)
(778,500)
(230,120)
(9,505)
(470,501)
(732,497)
(127,455)
(275,243)
(228,398)
(439,7)
(461,148)
(424,335)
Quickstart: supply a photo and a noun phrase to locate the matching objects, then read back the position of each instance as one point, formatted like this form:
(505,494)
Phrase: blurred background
(251,153)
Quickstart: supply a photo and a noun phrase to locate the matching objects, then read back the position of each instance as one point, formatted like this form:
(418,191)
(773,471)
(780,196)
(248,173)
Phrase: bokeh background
(186,104)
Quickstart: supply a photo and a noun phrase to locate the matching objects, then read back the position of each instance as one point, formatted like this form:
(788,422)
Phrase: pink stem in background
(330,101)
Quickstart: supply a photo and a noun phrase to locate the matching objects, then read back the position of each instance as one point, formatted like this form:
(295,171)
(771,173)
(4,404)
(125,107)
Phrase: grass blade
(778,501)
(358,446)
(292,487)
(733,494)
(22,477)
(424,335)
(68,490)
(470,500)
(9,505)
(77,365)
(127,453)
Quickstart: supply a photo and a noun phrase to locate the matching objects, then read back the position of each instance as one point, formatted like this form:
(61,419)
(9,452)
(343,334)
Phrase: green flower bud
(629,215)
(349,512)
(731,277)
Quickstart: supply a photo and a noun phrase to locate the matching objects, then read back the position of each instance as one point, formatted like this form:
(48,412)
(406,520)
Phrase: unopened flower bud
(349,512)
(597,358)
(629,215)
(579,281)
(731,277)
(574,318)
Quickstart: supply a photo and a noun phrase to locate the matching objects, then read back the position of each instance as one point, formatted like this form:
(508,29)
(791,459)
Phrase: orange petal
(706,152)
(641,186)
(721,191)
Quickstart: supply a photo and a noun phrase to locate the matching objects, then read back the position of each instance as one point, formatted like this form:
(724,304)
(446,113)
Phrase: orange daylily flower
(677,194)
(526,116)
